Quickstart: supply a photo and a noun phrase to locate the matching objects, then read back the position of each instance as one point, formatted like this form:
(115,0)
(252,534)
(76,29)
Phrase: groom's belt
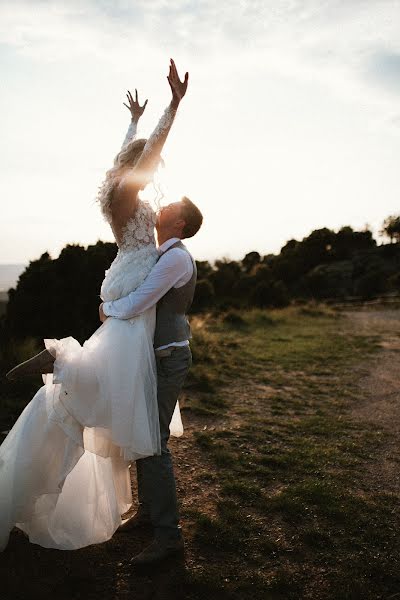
(164,351)
(161,352)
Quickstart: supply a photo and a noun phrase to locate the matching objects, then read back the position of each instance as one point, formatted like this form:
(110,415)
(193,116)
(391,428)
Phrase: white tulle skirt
(64,466)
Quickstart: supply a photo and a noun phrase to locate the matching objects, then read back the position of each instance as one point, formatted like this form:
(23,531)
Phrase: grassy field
(277,500)
(293,516)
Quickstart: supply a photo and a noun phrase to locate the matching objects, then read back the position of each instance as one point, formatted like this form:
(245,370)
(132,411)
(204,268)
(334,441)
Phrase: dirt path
(382,404)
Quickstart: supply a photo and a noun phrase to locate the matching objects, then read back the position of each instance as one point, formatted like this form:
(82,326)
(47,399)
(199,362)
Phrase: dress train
(64,466)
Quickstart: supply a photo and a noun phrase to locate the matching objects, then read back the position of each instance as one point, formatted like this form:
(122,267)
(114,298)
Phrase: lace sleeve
(130,134)
(150,156)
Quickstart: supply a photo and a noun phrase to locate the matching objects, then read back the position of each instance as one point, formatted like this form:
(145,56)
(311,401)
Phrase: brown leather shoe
(138,520)
(158,551)
(38,364)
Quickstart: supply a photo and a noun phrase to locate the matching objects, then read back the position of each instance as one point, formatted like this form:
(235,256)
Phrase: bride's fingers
(175,78)
(145,104)
(177,74)
(136,96)
(128,107)
(174,69)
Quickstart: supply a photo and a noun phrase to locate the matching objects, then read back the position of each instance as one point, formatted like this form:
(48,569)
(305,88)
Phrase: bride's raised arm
(126,193)
(150,157)
(136,112)
(125,197)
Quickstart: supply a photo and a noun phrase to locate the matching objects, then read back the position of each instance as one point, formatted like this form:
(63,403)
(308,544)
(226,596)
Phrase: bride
(64,466)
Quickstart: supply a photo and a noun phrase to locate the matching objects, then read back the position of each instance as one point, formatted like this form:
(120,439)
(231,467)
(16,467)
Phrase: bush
(371,284)
(332,280)
(204,296)
(274,294)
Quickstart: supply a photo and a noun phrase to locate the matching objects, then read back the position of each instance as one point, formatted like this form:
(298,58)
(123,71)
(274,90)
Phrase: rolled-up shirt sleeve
(173,269)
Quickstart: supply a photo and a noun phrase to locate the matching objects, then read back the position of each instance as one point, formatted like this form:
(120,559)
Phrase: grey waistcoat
(172,324)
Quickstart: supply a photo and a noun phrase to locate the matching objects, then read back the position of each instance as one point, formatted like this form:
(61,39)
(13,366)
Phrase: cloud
(384,68)
(351,48)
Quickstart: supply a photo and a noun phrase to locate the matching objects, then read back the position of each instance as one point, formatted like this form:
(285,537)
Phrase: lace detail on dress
(130,134)
(164,124)
(136,256)
(139,230)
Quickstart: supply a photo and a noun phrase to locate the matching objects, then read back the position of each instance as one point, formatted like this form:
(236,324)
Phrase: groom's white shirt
(173,269)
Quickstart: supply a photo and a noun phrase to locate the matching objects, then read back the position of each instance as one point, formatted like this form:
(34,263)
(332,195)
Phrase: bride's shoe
(38,364)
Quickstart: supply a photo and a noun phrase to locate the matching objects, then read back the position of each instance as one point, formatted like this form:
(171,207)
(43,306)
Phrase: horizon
(380,240)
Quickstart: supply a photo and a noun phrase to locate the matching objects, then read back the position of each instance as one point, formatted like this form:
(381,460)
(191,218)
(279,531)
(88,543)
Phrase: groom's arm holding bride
(173,269)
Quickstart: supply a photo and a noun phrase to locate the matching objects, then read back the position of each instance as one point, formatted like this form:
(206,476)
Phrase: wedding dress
(64,466)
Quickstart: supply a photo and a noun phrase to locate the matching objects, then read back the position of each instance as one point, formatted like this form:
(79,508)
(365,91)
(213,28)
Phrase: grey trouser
(155,474)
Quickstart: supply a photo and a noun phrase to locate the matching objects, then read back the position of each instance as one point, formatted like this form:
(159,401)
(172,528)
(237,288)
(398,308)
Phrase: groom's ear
(181,223)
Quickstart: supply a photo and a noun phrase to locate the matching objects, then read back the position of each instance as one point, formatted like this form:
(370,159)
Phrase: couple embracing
(64,466)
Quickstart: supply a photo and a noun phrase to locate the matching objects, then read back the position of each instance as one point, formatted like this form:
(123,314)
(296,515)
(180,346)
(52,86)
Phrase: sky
(291,120)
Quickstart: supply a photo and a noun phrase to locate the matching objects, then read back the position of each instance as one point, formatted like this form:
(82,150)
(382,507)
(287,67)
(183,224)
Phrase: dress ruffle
(110,386)
(62,495)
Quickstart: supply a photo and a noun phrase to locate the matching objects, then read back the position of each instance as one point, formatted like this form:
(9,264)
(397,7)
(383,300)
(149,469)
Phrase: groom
(170,285)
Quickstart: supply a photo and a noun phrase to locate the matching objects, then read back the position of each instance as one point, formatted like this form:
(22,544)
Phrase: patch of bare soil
(381,406)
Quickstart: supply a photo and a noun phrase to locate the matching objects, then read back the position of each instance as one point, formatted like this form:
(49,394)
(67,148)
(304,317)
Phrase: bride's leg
(38,364)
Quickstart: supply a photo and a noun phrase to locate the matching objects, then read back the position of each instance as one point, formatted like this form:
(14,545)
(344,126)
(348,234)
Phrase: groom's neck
(163,236)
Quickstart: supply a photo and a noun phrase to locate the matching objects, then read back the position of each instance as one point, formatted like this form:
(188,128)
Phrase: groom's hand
(102,316)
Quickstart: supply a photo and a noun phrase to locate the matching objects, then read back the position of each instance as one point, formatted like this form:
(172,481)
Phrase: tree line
(60,297)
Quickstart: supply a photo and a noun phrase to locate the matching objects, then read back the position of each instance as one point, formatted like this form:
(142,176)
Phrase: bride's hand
(134,107)
(178,87)
(102,316)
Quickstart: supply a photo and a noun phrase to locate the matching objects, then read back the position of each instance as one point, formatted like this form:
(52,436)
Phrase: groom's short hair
(192,217)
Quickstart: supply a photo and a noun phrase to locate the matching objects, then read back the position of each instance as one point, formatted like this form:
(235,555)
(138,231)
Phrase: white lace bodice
(136,255)
(139,231)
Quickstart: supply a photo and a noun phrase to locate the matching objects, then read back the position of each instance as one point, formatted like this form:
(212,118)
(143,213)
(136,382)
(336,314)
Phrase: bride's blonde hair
(126,157)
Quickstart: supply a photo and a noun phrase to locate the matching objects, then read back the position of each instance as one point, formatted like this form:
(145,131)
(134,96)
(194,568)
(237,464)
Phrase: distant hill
(9,276)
